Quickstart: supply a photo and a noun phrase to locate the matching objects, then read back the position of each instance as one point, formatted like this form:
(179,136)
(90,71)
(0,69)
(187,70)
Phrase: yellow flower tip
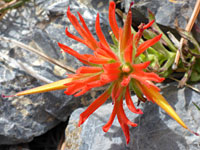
(165,106)
(58,85)
(162,102)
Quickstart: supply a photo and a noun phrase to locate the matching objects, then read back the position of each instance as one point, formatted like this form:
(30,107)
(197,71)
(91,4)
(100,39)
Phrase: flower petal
(85,69)
(74,37)
(139,74)
(141,66)
(80,85)
(76,24)
(97,83)
(148,76)
(84,32)
(126,33)
(108,77)
(96,104)
(90,37)
(97,60)
(125,129)
(72,52)
(114,91)
(128,53)
(108,51)
(144,81)
(100,33)
(148,25)
(147,44)
(112,68)
(107,126)
(138,35)
(130,104)
(125,81)
(121,114)
(112,20)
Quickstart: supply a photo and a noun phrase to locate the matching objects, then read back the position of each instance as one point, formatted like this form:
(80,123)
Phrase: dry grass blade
(173,39)
(187,85)
(62,146)
(8,4)
(120,13)
(188,28)
(42,55)
(2,14)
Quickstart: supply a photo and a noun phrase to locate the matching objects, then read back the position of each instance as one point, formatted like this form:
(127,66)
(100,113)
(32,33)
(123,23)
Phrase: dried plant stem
(2,14)
(188,29)
(63,146)
(42,55)
(8,4)
(187,85)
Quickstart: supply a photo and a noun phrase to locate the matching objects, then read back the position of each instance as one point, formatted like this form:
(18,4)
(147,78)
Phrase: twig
(188,29)
(187,85)
(63,146)
(42,55)
(8,4)
(2,14)
(173,39)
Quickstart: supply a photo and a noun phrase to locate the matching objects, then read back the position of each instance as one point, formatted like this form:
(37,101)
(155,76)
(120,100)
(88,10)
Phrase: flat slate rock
(155,131)
(39,24)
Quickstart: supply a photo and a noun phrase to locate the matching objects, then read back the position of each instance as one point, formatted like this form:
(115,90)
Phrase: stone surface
(166,12)
(155,131)
(39,24)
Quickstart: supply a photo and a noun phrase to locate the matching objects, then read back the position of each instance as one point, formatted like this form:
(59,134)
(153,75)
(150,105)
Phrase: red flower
(120,67)
(117,69)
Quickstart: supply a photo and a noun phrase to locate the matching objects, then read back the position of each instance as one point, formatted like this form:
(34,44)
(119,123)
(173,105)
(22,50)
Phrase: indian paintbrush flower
(118,66)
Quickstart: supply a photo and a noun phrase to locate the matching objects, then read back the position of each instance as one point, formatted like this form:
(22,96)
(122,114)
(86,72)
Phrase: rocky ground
(40,24)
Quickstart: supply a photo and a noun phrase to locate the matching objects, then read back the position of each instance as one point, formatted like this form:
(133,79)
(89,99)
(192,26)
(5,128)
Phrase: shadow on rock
(152,133)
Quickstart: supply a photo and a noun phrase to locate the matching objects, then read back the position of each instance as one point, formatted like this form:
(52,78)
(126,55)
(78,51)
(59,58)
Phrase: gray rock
(166,12)
(39,24)
(155,131)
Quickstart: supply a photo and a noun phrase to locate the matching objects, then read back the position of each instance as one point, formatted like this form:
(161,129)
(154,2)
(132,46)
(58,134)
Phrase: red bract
(118,66)
(106,67)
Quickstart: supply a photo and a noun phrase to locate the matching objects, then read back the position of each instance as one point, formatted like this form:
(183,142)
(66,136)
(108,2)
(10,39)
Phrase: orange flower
(120,67)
